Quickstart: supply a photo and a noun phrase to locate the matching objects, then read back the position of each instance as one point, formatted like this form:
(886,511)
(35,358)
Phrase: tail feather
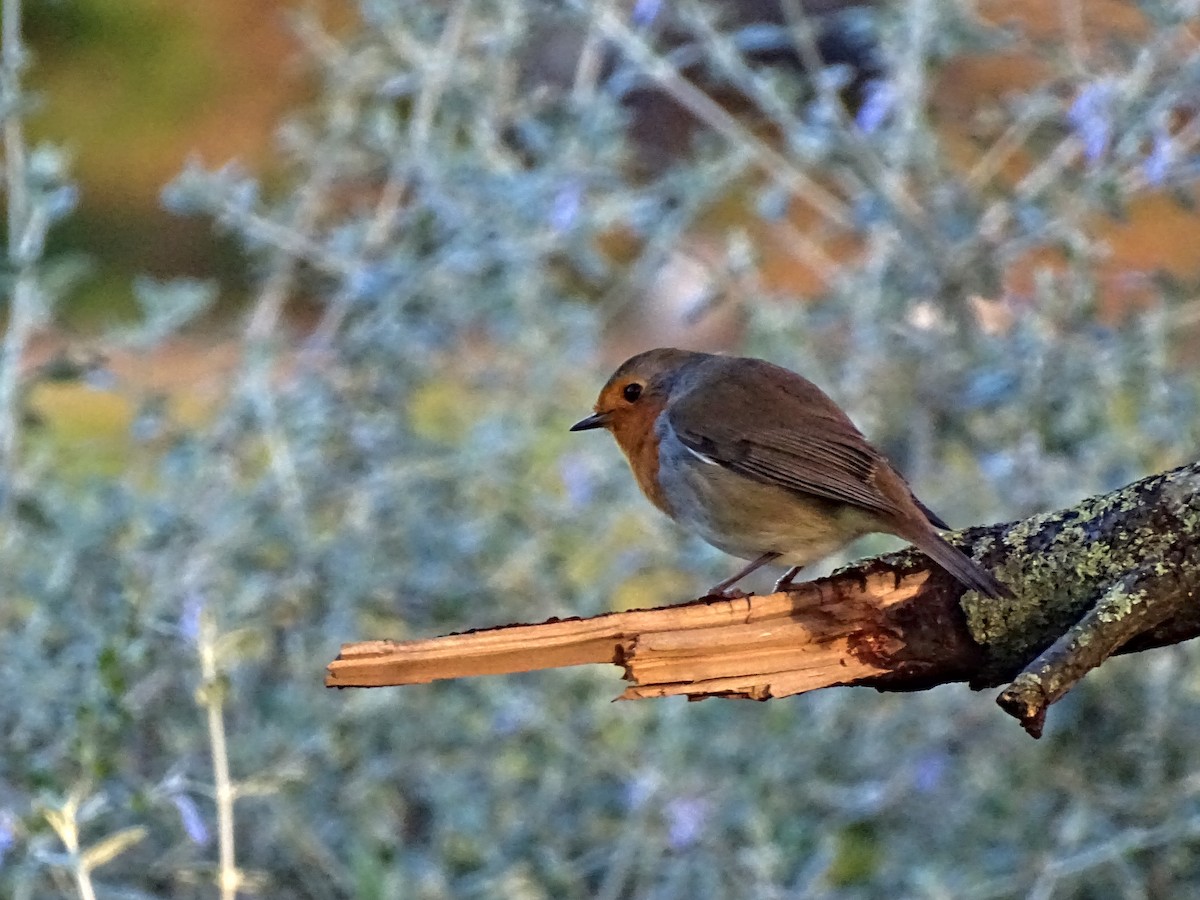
(930,514)
(970,573)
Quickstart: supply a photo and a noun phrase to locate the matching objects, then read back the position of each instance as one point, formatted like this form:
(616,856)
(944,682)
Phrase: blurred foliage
(405,469)
(131,88)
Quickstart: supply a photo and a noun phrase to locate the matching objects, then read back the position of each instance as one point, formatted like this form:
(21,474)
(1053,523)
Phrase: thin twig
(1071,12)
(1068,152)
(65,822)
(436,76)
(777,166)
(1007,144)
(24,248)
(224,792)
(272,298)
(591,59)
(885,179)
(1129,841)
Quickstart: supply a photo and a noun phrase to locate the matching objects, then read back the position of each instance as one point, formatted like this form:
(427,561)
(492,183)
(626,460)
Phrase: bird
(762,464)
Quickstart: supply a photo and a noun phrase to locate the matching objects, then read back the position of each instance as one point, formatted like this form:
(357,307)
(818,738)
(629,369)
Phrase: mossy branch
(1115,573)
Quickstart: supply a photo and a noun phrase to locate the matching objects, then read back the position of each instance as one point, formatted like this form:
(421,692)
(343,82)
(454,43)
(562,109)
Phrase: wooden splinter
(757,647)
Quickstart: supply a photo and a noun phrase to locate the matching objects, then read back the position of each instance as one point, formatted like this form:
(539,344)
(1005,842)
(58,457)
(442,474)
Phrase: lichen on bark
(1089,580)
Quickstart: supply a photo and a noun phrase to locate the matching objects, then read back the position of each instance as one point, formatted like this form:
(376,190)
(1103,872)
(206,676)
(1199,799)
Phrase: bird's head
(637,392)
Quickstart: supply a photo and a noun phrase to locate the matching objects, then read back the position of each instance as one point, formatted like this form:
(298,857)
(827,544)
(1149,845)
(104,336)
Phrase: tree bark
(1116,573)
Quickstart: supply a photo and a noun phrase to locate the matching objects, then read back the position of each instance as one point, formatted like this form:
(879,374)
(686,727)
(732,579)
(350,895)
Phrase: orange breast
(634,431)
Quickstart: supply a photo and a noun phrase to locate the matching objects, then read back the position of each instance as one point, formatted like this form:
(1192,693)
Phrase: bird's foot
(785,583)
(730,593)
(722,588)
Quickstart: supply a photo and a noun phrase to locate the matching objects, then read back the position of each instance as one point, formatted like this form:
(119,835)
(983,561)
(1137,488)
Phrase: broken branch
(1114,573)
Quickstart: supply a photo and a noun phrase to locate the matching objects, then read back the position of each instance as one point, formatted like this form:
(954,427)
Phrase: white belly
(746,518)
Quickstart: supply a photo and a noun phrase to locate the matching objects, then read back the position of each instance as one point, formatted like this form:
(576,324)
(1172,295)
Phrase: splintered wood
(821,634)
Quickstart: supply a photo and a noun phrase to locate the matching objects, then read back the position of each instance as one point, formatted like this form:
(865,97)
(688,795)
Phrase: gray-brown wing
(774,427)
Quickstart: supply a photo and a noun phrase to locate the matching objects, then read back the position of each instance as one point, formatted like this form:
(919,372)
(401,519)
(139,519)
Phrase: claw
(721,589)
(785,583)
(727,594)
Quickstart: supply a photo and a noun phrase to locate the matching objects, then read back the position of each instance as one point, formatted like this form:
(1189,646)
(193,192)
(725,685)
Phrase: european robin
(759,462)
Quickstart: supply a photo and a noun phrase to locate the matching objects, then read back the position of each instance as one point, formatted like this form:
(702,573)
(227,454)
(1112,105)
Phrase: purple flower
(1158,163)
(190,816)
(646,11)
(930,771)
(8,834)
(1091,117)
(878,105)
(189,619)
(686,820)
(567,203)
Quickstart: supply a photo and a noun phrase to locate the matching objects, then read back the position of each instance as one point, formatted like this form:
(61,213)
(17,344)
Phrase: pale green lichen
(1061,564)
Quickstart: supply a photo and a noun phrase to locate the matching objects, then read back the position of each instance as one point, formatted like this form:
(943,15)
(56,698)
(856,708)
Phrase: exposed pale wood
(518,648)
(753,646)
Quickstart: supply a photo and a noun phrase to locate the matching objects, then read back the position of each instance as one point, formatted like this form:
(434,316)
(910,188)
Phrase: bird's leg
(719,590)
(785,583)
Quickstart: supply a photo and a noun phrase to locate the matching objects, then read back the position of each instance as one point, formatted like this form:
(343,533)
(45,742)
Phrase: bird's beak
(596,420)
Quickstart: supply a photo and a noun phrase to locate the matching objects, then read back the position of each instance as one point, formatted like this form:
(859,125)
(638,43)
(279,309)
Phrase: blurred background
(300,300)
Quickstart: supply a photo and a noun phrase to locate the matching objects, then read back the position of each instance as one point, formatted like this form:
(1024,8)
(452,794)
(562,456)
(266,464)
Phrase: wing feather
(777,428)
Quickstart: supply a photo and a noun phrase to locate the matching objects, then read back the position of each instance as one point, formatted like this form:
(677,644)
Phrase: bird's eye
(632,391)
